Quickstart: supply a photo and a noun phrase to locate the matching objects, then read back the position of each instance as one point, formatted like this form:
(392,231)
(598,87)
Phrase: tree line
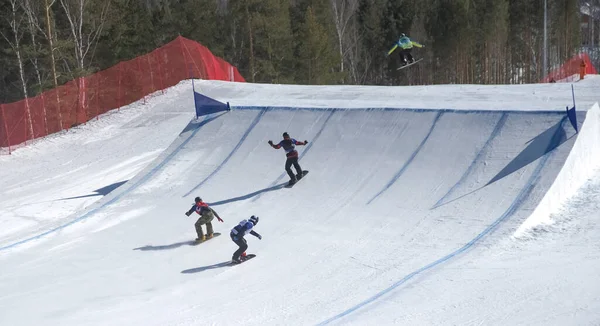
(45,43)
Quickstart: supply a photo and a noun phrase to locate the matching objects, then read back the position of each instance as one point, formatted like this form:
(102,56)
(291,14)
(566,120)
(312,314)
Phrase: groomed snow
(406,217)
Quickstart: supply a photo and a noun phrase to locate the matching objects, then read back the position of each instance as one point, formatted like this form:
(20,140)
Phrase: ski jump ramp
(395,196)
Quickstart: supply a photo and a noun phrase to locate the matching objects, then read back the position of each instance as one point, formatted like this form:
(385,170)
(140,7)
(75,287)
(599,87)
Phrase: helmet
(197,199)
(254,219)
(286,135)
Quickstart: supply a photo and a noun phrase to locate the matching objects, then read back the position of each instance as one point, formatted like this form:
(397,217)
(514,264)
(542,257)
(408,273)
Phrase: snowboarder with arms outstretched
(207,214)
(405,44)
(237,235)
(289,145)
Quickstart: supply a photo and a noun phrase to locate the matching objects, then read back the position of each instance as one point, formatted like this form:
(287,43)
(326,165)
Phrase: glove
(306,142)
(271,142)
(259,237)
(188,213)
(220,219)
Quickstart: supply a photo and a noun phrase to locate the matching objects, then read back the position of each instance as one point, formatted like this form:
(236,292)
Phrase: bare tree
(33,27)
(359,61)
(85,29)
(50,38)
(15,20)
(343,10)
(251,40)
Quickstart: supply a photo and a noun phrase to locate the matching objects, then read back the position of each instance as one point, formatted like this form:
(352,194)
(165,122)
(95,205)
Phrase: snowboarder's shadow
(205,268)
(166,247)
(248,196)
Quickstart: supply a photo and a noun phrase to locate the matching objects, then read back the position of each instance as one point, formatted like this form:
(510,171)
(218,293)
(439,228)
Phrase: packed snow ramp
(393,195)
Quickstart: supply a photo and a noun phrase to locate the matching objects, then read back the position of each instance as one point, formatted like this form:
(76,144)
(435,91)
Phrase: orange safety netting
(85,98)
(571,68)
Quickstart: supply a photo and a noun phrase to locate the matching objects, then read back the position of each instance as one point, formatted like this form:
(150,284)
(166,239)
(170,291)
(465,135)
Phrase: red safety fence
(82,99)
(571,69)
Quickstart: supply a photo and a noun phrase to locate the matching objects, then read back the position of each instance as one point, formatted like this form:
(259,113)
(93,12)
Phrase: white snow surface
(406,217)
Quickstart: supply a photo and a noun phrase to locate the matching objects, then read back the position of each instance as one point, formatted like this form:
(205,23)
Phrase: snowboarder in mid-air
(237,235)
(207,214)
(405,44)
(289,145)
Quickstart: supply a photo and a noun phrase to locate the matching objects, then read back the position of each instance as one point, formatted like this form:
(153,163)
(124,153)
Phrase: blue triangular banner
(206,105)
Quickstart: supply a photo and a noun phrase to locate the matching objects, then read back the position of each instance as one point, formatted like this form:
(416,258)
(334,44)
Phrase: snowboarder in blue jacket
(237,235)
(289,145)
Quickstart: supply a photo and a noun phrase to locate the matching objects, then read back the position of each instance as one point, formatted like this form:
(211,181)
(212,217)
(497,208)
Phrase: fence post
(28,122)
(5,128)
(160,73)
(82,101)
(97,92)
(119,88)
(45,114)
(182,50)
(151,73)
(69,109)
(141,79)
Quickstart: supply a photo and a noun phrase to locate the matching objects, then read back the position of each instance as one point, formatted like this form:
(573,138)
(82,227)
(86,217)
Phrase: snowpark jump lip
(396,109)
(528,97)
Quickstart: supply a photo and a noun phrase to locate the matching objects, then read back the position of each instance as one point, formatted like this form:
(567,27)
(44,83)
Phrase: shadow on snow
(204,268)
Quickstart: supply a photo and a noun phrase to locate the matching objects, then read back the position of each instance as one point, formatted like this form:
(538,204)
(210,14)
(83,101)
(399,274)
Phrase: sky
(425,205)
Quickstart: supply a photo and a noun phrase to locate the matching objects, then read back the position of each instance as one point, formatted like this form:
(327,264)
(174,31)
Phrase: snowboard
(195,242)
(410,64)
(304,173)
(248,257)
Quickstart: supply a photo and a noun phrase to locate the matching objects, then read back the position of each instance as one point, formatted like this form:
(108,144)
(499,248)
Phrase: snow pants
(205,218)
(288,167)
(242,244)
(406,56)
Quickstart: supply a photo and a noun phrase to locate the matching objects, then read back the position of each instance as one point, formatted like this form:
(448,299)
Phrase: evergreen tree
(317,62)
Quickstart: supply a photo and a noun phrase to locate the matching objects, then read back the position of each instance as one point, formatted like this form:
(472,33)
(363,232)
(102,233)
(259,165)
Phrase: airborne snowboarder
(405,44)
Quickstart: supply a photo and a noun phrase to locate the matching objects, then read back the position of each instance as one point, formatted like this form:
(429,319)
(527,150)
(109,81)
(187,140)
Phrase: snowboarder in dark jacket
(207,214)
(289,145)
(237,235)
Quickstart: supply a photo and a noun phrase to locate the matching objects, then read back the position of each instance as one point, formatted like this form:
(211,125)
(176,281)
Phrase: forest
(45,43)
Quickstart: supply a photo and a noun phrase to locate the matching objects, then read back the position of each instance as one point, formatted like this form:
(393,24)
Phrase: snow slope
(52,179)
(406,217)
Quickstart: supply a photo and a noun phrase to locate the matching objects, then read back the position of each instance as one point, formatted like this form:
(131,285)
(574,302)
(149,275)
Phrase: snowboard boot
(243,256)
(292,181)
(236,261)
(202,238)
(299,176)
(209,236)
